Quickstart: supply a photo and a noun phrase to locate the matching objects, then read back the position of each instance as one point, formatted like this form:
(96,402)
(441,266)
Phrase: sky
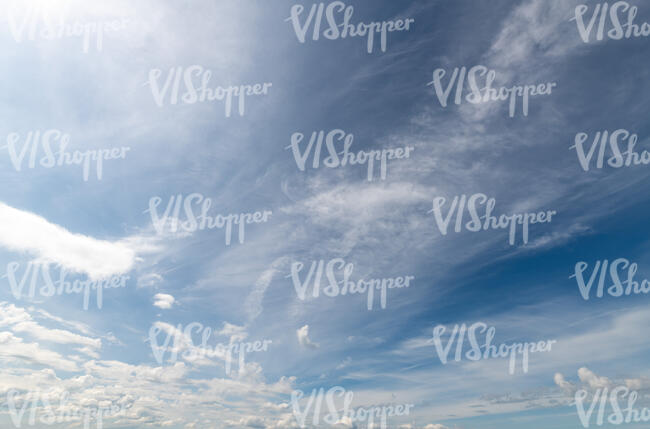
(111,96)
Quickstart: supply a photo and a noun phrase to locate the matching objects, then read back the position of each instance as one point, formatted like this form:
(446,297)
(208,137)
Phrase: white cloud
(253,303)
(303,338)
(58,336)
(236,333)
(163,300)
(12,347)
(537,26)
(116,370)
(557,238)
(30,380)
(83,328)
(567,386)
(20,321)
(638,383)
(136,389)
(88,351)
(346,362)
(27,232)
(205,403)
(10,314)
(357,203)
(622,332)
(149,280)
(248,422)
(349,211)
(594,381)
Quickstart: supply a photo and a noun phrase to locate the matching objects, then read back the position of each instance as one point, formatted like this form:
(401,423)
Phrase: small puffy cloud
(567,386)
(163,301)
(345,422)
(637,383)
(588,378)
(594,381)
(436,426)
(303,338)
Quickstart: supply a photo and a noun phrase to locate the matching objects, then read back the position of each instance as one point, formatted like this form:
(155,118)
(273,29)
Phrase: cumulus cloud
(589,380)
(638,383)
(567,386)
(303,338)
(120,371)
(593,380)
(248,422)
(163,301)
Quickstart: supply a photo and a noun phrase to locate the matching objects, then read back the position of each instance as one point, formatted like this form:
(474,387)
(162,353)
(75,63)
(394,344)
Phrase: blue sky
(96,228)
